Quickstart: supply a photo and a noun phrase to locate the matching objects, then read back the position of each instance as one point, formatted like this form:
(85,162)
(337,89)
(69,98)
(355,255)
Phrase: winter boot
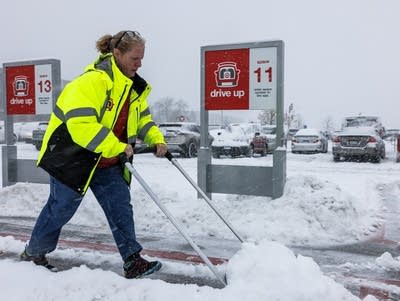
(38,260)
(136,267)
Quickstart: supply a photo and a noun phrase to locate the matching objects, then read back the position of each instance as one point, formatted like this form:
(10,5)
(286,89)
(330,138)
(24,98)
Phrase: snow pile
(307,213)
(23,199)
(268,269)
(263,271)
(387,262)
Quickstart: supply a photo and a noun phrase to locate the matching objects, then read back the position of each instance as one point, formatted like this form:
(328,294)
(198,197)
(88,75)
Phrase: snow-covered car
(38,133)
(231,141)
(264,141)
(182,137)
(309,141)
(361,143)
(364,121)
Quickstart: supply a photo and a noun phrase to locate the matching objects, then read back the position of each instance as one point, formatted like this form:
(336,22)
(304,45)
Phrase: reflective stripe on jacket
(80,128)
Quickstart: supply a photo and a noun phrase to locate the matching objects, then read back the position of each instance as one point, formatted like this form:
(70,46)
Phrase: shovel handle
(150,149)
(146,150)
(153,149)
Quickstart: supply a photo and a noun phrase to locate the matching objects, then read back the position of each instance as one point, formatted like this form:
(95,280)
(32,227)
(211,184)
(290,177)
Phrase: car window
(268,131)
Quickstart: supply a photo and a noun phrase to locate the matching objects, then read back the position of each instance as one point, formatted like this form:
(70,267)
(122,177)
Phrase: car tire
(247,152)
(38,145)
(191,151)
(251,151)
(265,151)
(377,159)
(216,155)
(336,158)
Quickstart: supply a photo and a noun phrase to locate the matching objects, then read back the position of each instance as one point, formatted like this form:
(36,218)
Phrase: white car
(231,141)
(309,141)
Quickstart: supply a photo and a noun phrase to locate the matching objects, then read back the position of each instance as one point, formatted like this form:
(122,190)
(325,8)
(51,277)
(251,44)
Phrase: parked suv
(363,143)
(182,137)
(38,133)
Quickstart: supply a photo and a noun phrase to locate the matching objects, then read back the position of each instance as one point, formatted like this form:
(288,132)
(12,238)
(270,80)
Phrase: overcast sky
(342,57)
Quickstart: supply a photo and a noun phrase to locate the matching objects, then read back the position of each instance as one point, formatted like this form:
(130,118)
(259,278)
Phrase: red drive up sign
(227,79)
(29,89)
(20,90)
(241,79)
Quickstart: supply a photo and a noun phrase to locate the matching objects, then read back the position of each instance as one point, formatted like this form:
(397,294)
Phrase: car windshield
(179,127)
(268,131)
(361,121)
(171,127)
(236,130)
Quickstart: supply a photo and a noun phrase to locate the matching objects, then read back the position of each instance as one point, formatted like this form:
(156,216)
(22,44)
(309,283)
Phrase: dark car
(38,133)
(182,137)
(361,143)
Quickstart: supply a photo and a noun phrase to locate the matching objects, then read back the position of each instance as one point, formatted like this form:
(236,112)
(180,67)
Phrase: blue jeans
(113,195)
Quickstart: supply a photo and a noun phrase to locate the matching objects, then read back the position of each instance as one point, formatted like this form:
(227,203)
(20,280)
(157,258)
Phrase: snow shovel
(174,162)
(177,225)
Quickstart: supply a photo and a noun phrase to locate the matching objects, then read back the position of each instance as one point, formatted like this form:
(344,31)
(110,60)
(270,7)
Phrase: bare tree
(293,119)
(267,117)
(169,109)
(289,116)
(328,124)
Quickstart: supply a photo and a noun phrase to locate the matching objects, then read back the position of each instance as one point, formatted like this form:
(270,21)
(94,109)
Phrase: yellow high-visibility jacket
(80,128)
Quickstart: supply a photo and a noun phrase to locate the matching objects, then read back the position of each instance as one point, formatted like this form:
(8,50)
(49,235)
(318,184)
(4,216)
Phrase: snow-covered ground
(324,203)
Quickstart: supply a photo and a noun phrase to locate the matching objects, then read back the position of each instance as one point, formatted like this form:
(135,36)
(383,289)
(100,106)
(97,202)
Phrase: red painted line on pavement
(171,255)
(381,295)
(379,237)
